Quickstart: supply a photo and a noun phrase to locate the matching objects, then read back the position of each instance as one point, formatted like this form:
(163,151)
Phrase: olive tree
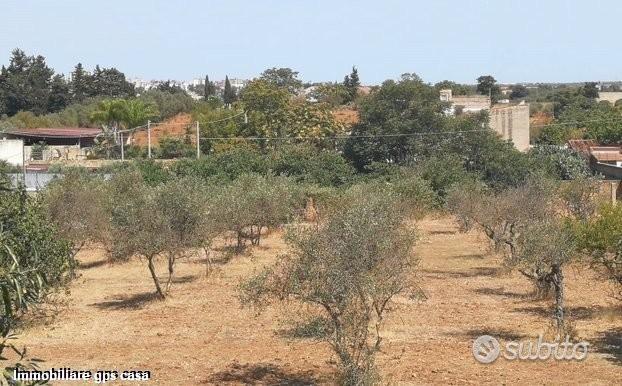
(579,197)
(170,220)
(76,203)
(138,227)
(525,224)
(349,268)
(253,202)
(547,246)
(503,217)
(184,208)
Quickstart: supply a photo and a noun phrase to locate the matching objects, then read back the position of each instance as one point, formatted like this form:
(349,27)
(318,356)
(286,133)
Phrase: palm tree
(137,112)
(109,113)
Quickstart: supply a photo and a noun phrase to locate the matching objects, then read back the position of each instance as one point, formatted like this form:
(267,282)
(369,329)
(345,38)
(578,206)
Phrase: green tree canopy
(283,77)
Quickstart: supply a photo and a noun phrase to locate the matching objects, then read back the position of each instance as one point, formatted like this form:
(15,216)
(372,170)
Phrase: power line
(348,136)
(579,122)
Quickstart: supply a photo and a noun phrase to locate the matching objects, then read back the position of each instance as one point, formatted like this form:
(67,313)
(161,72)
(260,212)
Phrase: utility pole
(198,142)
(24,161)
(149,139)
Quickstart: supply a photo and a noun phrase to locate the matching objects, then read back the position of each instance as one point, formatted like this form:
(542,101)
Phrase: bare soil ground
(347,116)
(201,335)
(175,127)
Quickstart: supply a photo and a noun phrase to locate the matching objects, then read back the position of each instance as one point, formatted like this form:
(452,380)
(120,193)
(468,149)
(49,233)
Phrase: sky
(515,41)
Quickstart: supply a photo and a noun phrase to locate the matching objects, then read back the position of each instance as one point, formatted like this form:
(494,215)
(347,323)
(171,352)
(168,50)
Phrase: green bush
(562,163)
(30,243)
(443,172)
(308,164)
(227,165)
(175,148)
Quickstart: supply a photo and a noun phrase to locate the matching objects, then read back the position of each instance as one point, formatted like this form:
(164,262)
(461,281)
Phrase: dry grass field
(201,335)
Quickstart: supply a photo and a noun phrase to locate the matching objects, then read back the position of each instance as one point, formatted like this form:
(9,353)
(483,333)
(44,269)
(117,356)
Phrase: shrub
(562,163)
(153,173)
(227,165)
(34,261)
(601,236)
(175,148)
(443,172)
(26,231)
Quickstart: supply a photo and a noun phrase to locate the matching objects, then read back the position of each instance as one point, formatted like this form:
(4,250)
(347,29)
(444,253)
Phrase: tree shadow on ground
(124,302)
(576,313)
(500,291)
(443,232)
(471,256)
(183,279)
(261,374)
(472,272)
(610,344)
(92,264)
(499,333)
(220,260)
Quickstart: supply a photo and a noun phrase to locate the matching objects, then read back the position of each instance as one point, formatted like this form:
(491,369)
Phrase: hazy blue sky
(519,40)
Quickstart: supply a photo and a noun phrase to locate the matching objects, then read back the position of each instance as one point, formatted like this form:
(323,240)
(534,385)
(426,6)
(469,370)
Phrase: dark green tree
(170,88)
(487,85)
(206,88)
(96,80)
(229,95)
(25,84)
(80,83)
(209,89)
(589,90)
(390,119)
(519,91)
(60,95)
(352,83)
(456,88)
(112,83)
(283,77)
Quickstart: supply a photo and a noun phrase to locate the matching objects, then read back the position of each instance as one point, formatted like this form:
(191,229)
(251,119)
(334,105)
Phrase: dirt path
(200,335)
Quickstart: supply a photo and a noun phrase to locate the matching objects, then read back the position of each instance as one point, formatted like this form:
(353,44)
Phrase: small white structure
(12,151)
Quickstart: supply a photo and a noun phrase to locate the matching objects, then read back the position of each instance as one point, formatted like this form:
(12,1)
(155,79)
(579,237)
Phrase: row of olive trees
(348,264)
(533,226)
(169,220)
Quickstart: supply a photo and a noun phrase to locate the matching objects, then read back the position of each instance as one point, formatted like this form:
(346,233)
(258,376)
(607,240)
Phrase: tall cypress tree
(60,95)
(352,83)
(80,83)
(229,93)
(209,89)
(206,88)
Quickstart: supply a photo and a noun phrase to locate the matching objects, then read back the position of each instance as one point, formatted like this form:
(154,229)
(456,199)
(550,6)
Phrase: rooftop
(56,132)
(607,153)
